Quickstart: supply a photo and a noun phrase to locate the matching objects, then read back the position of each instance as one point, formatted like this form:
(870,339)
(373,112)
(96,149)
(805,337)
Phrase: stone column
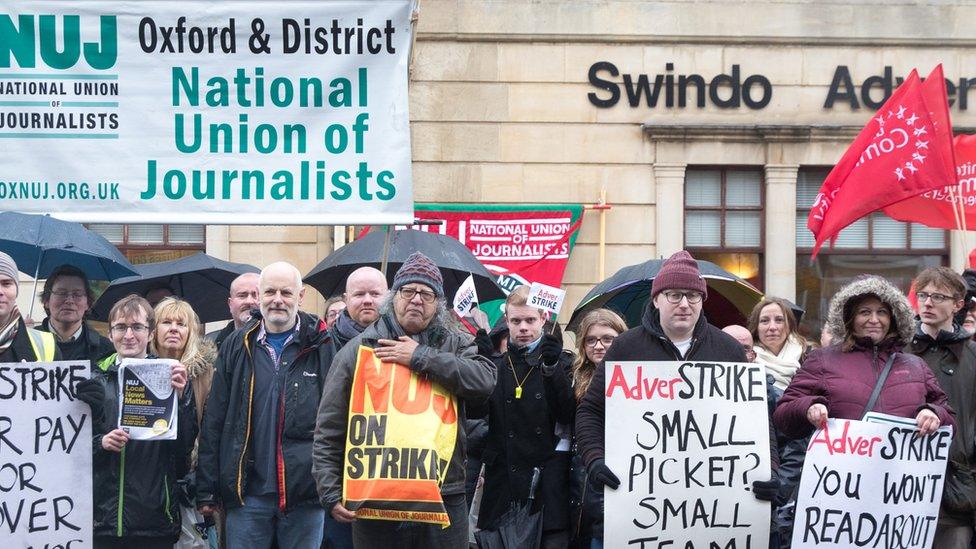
(218,241)
(780,245)
(669,185)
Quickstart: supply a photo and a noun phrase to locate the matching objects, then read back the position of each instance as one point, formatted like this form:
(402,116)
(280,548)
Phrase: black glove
(601,475)
(549,349)
(485,347)
(766,490)
(90,392)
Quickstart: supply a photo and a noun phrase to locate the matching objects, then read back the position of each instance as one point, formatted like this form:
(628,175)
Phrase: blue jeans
(259,521)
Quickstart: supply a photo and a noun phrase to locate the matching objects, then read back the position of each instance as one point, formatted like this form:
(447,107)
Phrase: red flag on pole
(934,208)
(904,151)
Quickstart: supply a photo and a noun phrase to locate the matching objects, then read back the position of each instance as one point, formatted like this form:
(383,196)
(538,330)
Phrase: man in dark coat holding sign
(672,328)
(532,396)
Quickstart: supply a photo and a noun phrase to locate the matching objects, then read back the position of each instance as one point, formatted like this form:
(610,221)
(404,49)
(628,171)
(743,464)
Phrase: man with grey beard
(413,330)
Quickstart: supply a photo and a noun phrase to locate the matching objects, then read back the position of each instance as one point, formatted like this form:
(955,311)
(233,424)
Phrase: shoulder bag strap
(877,386)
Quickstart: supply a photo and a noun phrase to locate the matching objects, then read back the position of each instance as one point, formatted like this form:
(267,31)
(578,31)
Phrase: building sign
(203,112)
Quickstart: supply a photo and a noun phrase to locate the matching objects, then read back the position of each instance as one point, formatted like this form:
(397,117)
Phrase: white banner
(232,112)
(45,456)
(870,484)
(687,440)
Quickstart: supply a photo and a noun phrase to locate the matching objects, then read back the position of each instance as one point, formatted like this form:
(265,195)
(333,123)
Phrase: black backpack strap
(877,386)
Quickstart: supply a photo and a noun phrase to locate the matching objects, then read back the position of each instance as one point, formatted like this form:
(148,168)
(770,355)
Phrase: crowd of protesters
(264,402)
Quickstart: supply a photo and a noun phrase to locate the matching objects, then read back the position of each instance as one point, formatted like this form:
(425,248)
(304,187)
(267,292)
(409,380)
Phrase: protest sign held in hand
(149,406)
(45,456)
(871,484)
(465,307)
(687,440)
(547,298)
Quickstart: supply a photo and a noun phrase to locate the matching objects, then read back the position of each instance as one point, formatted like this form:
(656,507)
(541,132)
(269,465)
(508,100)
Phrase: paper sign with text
(868,484)
(149,404)
(687,440)
(45,456)
(546,298)
(465,298)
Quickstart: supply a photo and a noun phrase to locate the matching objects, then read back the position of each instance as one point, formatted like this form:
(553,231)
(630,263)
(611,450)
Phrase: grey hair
(442,317)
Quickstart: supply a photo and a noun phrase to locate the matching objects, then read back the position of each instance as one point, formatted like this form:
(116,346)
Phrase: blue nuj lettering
(42,33)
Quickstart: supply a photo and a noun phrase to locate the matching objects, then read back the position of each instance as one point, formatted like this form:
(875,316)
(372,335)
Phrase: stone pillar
(218,241)
(669,185)
(780,245)
(959,245)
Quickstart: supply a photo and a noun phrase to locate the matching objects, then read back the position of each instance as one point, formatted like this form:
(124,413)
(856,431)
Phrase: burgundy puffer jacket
(843,382)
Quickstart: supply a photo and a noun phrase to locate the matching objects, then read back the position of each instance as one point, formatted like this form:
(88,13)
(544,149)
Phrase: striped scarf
(8,329)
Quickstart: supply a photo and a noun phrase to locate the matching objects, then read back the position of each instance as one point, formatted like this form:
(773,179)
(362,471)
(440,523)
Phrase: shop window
(144,243)
(875,244)
(724,219)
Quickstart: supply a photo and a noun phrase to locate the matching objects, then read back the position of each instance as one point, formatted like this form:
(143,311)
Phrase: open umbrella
(730,298)
(519,528)
(40,243)
(202,280)
(455,260)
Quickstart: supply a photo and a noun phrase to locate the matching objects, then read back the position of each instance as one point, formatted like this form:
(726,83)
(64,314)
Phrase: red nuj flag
(904,151)
(935,208)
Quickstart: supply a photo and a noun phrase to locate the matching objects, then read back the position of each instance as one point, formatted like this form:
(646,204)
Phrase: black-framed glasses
(121,329)
(936,298)
(64,296)
(408,293)
(591,341)
(675,297)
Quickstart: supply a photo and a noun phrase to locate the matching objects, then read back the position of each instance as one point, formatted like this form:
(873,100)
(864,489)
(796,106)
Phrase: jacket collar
(954,340)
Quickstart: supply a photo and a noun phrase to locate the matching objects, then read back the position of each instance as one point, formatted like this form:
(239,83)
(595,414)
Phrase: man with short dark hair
(951,355)
(67,297)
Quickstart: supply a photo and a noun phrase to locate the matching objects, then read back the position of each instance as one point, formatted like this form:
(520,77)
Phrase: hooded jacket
(447,357)
(647,342)
(952,358)
(842,380)
(225,454)
(135,489)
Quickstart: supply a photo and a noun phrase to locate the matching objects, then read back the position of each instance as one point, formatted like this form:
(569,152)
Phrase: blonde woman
(779,347)
(179,335)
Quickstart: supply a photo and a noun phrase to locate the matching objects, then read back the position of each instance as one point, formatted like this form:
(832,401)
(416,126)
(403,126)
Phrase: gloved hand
(549,349)
(485,347)
(90,392)
(601,475)
(766,490)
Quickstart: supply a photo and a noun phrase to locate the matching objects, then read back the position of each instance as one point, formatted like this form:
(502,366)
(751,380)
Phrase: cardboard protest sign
(686,439)
(207,112)
(871,484)
(148,403)
(45,456)
(400,438)
(547,298)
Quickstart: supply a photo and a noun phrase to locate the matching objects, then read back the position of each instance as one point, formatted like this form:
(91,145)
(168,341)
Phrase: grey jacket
(447,357)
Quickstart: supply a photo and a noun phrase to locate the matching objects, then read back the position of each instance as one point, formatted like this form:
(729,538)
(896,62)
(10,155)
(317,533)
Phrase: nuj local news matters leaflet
(147,400)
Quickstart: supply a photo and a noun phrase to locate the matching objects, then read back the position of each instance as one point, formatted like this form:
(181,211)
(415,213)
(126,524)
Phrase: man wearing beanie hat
(412,331)
(672,328)
(17,341)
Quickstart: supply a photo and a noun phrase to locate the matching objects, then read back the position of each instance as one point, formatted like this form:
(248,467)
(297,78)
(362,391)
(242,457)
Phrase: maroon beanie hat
(419,268)
(679,272)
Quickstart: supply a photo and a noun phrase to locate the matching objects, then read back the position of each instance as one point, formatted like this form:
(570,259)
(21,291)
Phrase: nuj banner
(400,439)
(226,112)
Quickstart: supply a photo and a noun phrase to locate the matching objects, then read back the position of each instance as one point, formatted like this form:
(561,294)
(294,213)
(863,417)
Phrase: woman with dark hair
(871,321)
(595,334)
(778,346)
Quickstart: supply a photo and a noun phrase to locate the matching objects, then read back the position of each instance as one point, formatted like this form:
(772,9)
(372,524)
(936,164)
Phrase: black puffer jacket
(952,358)
(135,489)
(224,458)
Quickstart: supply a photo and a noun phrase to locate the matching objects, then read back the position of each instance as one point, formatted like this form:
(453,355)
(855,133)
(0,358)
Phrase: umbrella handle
(536,473)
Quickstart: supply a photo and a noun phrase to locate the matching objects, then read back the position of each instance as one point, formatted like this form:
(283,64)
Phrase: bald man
(742,335)
(242,300)
(365,289)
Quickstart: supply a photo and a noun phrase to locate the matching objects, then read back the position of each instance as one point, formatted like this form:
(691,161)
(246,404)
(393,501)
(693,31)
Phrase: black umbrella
(203,281)
(519,528)
(454,259)
(730,298)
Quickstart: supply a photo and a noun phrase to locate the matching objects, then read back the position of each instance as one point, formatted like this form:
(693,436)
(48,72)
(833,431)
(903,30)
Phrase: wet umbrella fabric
(730,298)
(519,528)
(40,243)
(455,260)
(202,280)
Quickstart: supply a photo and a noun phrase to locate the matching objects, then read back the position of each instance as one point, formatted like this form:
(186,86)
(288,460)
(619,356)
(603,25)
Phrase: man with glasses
(67,297)
(533,394)
(672,328)
(951,354)
(414,329)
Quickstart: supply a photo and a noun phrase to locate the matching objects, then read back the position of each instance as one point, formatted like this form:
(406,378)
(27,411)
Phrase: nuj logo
(58,40)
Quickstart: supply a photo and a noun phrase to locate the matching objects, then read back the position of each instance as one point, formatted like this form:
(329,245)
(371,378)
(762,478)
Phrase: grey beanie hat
(9,268)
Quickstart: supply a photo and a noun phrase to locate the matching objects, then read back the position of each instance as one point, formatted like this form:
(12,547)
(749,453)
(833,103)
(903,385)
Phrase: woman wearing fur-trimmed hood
(870,321)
